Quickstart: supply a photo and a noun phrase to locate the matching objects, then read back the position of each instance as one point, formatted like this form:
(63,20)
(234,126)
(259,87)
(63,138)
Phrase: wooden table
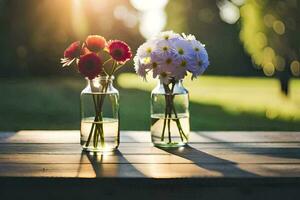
(216,165)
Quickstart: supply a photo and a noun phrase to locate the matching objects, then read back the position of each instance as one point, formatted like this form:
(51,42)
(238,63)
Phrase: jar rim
(101,78)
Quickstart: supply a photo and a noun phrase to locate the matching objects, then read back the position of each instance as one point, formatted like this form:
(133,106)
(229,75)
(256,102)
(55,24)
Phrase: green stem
(107,61)
(95,136)
(181,132)
(97,128)
(113,68)
(93,124)
(168,111)
(169,128)
(90,136)
(100,105)
(170,105)
(164,127)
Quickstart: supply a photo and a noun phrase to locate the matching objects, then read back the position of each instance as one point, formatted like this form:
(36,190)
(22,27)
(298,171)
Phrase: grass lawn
(217,103)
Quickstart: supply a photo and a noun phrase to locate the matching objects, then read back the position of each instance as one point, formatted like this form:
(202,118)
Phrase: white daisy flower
(196,45)
(201,58)
(202,62)
(183,48)
(188,37)
(142,66)
(170,56)
(183,66)
(146,49)
(167,35)
(164,47)
(164,62)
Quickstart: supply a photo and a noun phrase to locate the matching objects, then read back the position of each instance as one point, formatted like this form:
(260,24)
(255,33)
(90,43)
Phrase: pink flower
(90,65)
(119,51)
(73,51)
(95,43)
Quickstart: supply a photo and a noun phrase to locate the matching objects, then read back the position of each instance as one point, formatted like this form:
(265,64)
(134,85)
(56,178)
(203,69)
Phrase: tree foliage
(201,18)
(270,34)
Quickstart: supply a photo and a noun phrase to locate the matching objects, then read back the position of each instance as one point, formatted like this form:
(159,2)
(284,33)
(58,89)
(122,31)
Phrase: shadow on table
(278,152)
(209,162)
(109,164)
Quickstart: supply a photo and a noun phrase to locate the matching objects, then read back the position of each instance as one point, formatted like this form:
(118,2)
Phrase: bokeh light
(238,2)
(268,35)
(146,5)
(152,18)
(152,22)
(129,18)
(229,12)
(279,27)
(295,68)
(269,69)
(269,20)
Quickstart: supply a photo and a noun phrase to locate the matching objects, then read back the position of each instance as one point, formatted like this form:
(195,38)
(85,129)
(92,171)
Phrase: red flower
(71,54)
(119,50)
(95,43)
(73,51)
(90,65)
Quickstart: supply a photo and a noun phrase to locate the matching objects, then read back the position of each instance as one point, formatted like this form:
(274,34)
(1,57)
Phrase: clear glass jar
(99,128)
(170,124)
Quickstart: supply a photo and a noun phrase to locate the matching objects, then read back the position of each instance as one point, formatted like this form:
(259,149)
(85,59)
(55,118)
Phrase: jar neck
(101,84)
(174,82)
(172,87)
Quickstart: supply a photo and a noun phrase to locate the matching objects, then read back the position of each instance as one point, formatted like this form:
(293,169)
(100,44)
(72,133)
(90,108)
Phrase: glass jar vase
(170,124)
(99,128)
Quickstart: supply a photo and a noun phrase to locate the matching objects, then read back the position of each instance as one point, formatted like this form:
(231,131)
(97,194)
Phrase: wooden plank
(210,154)
(245,136)
(63,136)
(200,158)
(36,136)
(147,148)
(150,170)
(144,136)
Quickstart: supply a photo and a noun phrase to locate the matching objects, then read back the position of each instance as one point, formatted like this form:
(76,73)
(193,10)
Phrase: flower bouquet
(169,56)
(98,60)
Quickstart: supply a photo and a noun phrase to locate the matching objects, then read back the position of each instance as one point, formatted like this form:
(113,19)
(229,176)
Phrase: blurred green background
(251,84)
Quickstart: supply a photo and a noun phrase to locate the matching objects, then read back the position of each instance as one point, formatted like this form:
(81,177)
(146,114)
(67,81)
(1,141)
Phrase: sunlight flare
(79,21)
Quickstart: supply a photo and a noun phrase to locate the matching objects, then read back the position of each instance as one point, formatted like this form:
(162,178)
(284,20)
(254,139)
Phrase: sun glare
(229,12)
(152,18)
(150,15)
(79,22)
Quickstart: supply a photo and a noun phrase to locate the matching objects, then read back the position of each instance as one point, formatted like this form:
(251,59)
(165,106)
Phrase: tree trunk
(284,78)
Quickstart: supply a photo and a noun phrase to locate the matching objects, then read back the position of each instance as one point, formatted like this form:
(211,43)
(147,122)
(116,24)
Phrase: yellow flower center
(148,50)
(165,48)
(146,60)
(163,74)
(183,63)
(197,49)
(154,65)
(180,51)
(169,61)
